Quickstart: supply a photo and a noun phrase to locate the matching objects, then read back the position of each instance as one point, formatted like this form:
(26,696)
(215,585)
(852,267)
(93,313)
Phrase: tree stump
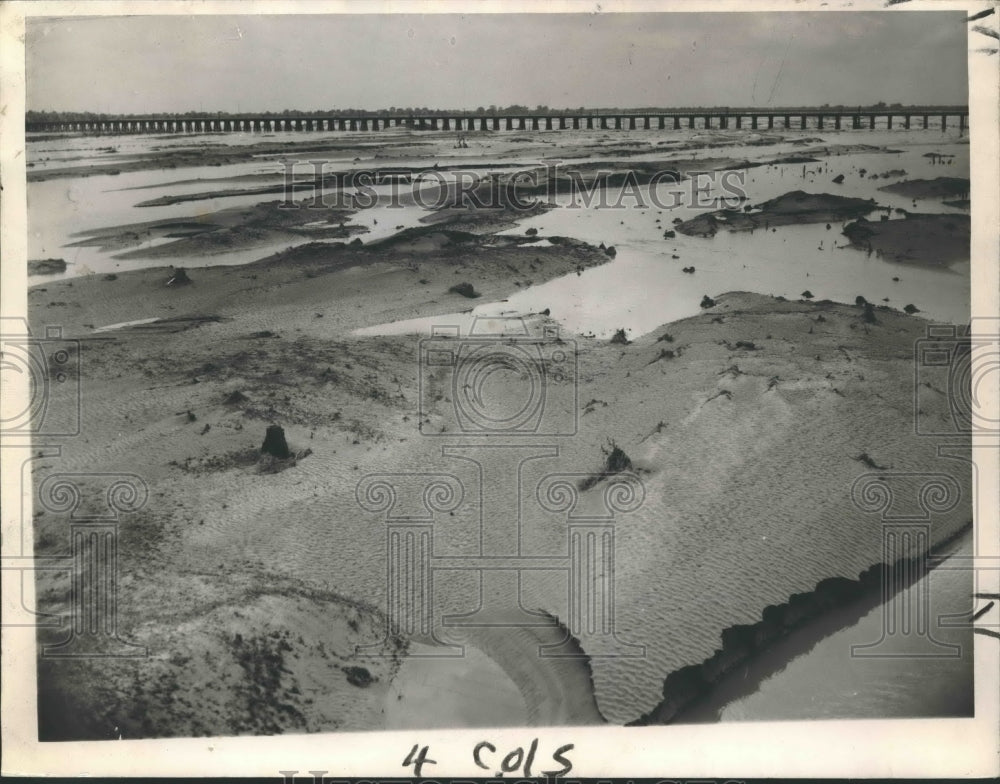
(275,444)
(180,278)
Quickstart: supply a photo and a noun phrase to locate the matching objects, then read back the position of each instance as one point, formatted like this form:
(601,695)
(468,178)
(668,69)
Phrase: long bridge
(819,118)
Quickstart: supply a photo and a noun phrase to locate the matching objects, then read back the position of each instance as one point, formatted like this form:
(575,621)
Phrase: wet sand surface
(746,420)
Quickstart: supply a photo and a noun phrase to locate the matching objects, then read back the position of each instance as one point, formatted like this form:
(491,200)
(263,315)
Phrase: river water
(643,287)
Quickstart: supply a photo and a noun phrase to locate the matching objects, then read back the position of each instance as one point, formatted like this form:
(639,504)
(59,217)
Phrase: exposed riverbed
(746,416)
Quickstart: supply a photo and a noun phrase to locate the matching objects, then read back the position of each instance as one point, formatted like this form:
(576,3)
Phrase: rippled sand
(748,494)
(747,439)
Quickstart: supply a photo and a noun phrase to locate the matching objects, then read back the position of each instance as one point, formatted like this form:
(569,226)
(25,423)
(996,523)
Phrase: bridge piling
(913,117)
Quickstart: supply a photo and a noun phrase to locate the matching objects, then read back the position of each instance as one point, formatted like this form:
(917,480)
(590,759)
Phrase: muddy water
(62,212)
(646,285)
(643,287)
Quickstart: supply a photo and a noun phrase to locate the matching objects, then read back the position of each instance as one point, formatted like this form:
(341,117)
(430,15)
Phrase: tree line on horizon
(50,116)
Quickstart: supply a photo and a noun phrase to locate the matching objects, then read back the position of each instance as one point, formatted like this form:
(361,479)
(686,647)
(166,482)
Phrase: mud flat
(225,653)
(937,188)
(46,266)
(742,510)
(174,153)
(419,265)
(327,180)
(223,230)
(212,154)
(748,425)
(240,647)
(917,238)
(794,208)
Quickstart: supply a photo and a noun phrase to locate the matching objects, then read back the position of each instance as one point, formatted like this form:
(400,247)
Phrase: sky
(149,64)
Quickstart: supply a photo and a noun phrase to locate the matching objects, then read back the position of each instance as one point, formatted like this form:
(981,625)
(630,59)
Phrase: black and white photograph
(429,368)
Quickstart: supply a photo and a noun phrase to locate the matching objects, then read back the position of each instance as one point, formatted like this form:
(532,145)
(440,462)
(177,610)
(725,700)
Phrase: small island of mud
(927,239)
(224,230)
(793,208)
(938,188)
(46,266)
